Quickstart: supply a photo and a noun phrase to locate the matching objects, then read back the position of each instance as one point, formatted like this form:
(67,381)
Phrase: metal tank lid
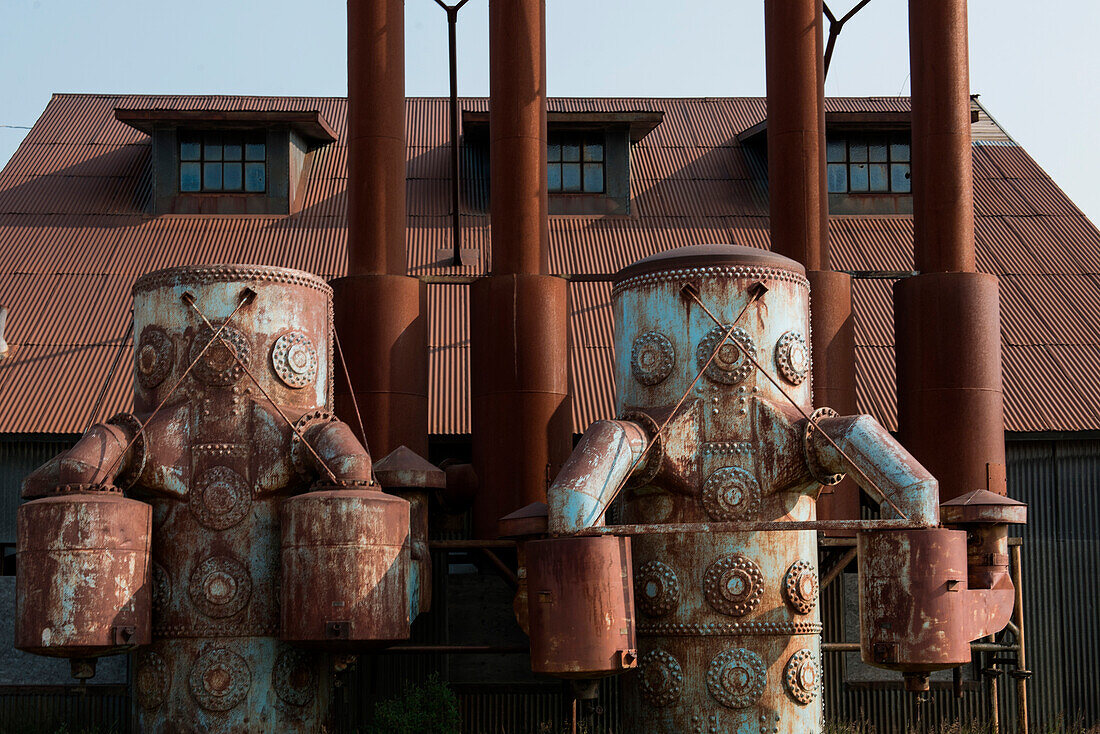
(197,274)
(695,256)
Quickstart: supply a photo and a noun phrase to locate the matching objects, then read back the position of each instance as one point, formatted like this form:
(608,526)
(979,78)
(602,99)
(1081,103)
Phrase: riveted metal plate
(661,677)
(152,680)
(733,585)
(162,589)
(293,677)
(792,357)
(802,677)
(219,364)
(295,359)
(736,678)
(800,586)
(219,680)
(731,493)
(220,498)
(154,356)
(729,366)
(652,358)
(220,586)
(656,588)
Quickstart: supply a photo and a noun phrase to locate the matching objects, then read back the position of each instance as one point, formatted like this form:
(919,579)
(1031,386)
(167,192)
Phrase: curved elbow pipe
(878,464)
(340,451)
(587,483)
(93,460)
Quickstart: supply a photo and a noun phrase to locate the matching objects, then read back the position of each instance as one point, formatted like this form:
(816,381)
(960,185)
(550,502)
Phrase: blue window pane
(571,176)
(838,178)
(211,176)
(857,152)
(835,151)
(553,152)
(570,152)
(190,150)
(232,151)
(553,176)
(593,152)
(190,177)
(254,152)
(899,151)
(858,177)
(879,179)
(255,177)
(212,147)
(593,177)
(231,177)
(899,178)
(877,150)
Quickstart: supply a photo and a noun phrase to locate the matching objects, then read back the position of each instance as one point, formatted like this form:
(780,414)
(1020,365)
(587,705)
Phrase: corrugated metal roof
(75,230)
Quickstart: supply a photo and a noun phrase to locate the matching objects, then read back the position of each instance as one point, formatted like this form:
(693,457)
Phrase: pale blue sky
(1035,64)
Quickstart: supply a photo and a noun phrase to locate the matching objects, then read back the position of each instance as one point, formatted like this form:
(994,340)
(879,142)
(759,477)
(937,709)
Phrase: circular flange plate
(734,585)
(801,677)
(792,356)
(729,366)
(661,678)
(652,358)
(219,365)
(800,586)
(295,359)
(220,586)
(736,678)
(656,588)
(151,680)
(293,677)
(219,680)
(731,493)
(162,589)
(154,357)
(220,498)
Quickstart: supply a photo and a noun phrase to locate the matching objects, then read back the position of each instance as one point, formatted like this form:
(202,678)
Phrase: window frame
(864,139)
(241,137)
(585,139)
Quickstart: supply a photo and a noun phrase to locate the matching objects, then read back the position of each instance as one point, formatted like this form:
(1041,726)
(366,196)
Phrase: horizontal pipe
(746,526)
(975,646)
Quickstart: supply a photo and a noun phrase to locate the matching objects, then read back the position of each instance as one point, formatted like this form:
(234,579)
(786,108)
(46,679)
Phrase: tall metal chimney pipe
(799,208)
(379,311)
(519,323)
(950,395)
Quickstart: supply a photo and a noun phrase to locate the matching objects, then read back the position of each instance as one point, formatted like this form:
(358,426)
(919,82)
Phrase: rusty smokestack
(519,375)
(799,208)
(379,311)
(950,395)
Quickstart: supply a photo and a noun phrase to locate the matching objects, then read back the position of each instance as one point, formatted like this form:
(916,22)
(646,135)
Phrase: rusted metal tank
(84,584)
(345,568)
(580,606)
(232,390)
(728,623)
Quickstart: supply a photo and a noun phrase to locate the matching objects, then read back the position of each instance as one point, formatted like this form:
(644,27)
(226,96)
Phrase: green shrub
(429,708)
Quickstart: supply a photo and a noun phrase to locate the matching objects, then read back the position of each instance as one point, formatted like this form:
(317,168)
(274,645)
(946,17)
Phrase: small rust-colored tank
(83,585)
(581,606)
(345,568)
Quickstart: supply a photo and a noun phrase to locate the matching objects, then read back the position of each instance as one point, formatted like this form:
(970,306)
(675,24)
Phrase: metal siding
(74,202)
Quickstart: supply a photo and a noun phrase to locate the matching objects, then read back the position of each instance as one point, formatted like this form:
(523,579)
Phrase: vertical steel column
(379,311)
(519,329)
(799,208)
(950,397)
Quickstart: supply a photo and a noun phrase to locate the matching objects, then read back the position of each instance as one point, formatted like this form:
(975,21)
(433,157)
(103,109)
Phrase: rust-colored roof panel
(76,229)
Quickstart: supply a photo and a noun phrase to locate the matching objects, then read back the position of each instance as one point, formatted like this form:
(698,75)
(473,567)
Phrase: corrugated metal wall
(19,455)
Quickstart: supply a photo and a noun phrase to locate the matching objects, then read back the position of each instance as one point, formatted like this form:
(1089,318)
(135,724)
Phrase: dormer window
(868,164)
(575,163)
(222,162)
(235,162)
